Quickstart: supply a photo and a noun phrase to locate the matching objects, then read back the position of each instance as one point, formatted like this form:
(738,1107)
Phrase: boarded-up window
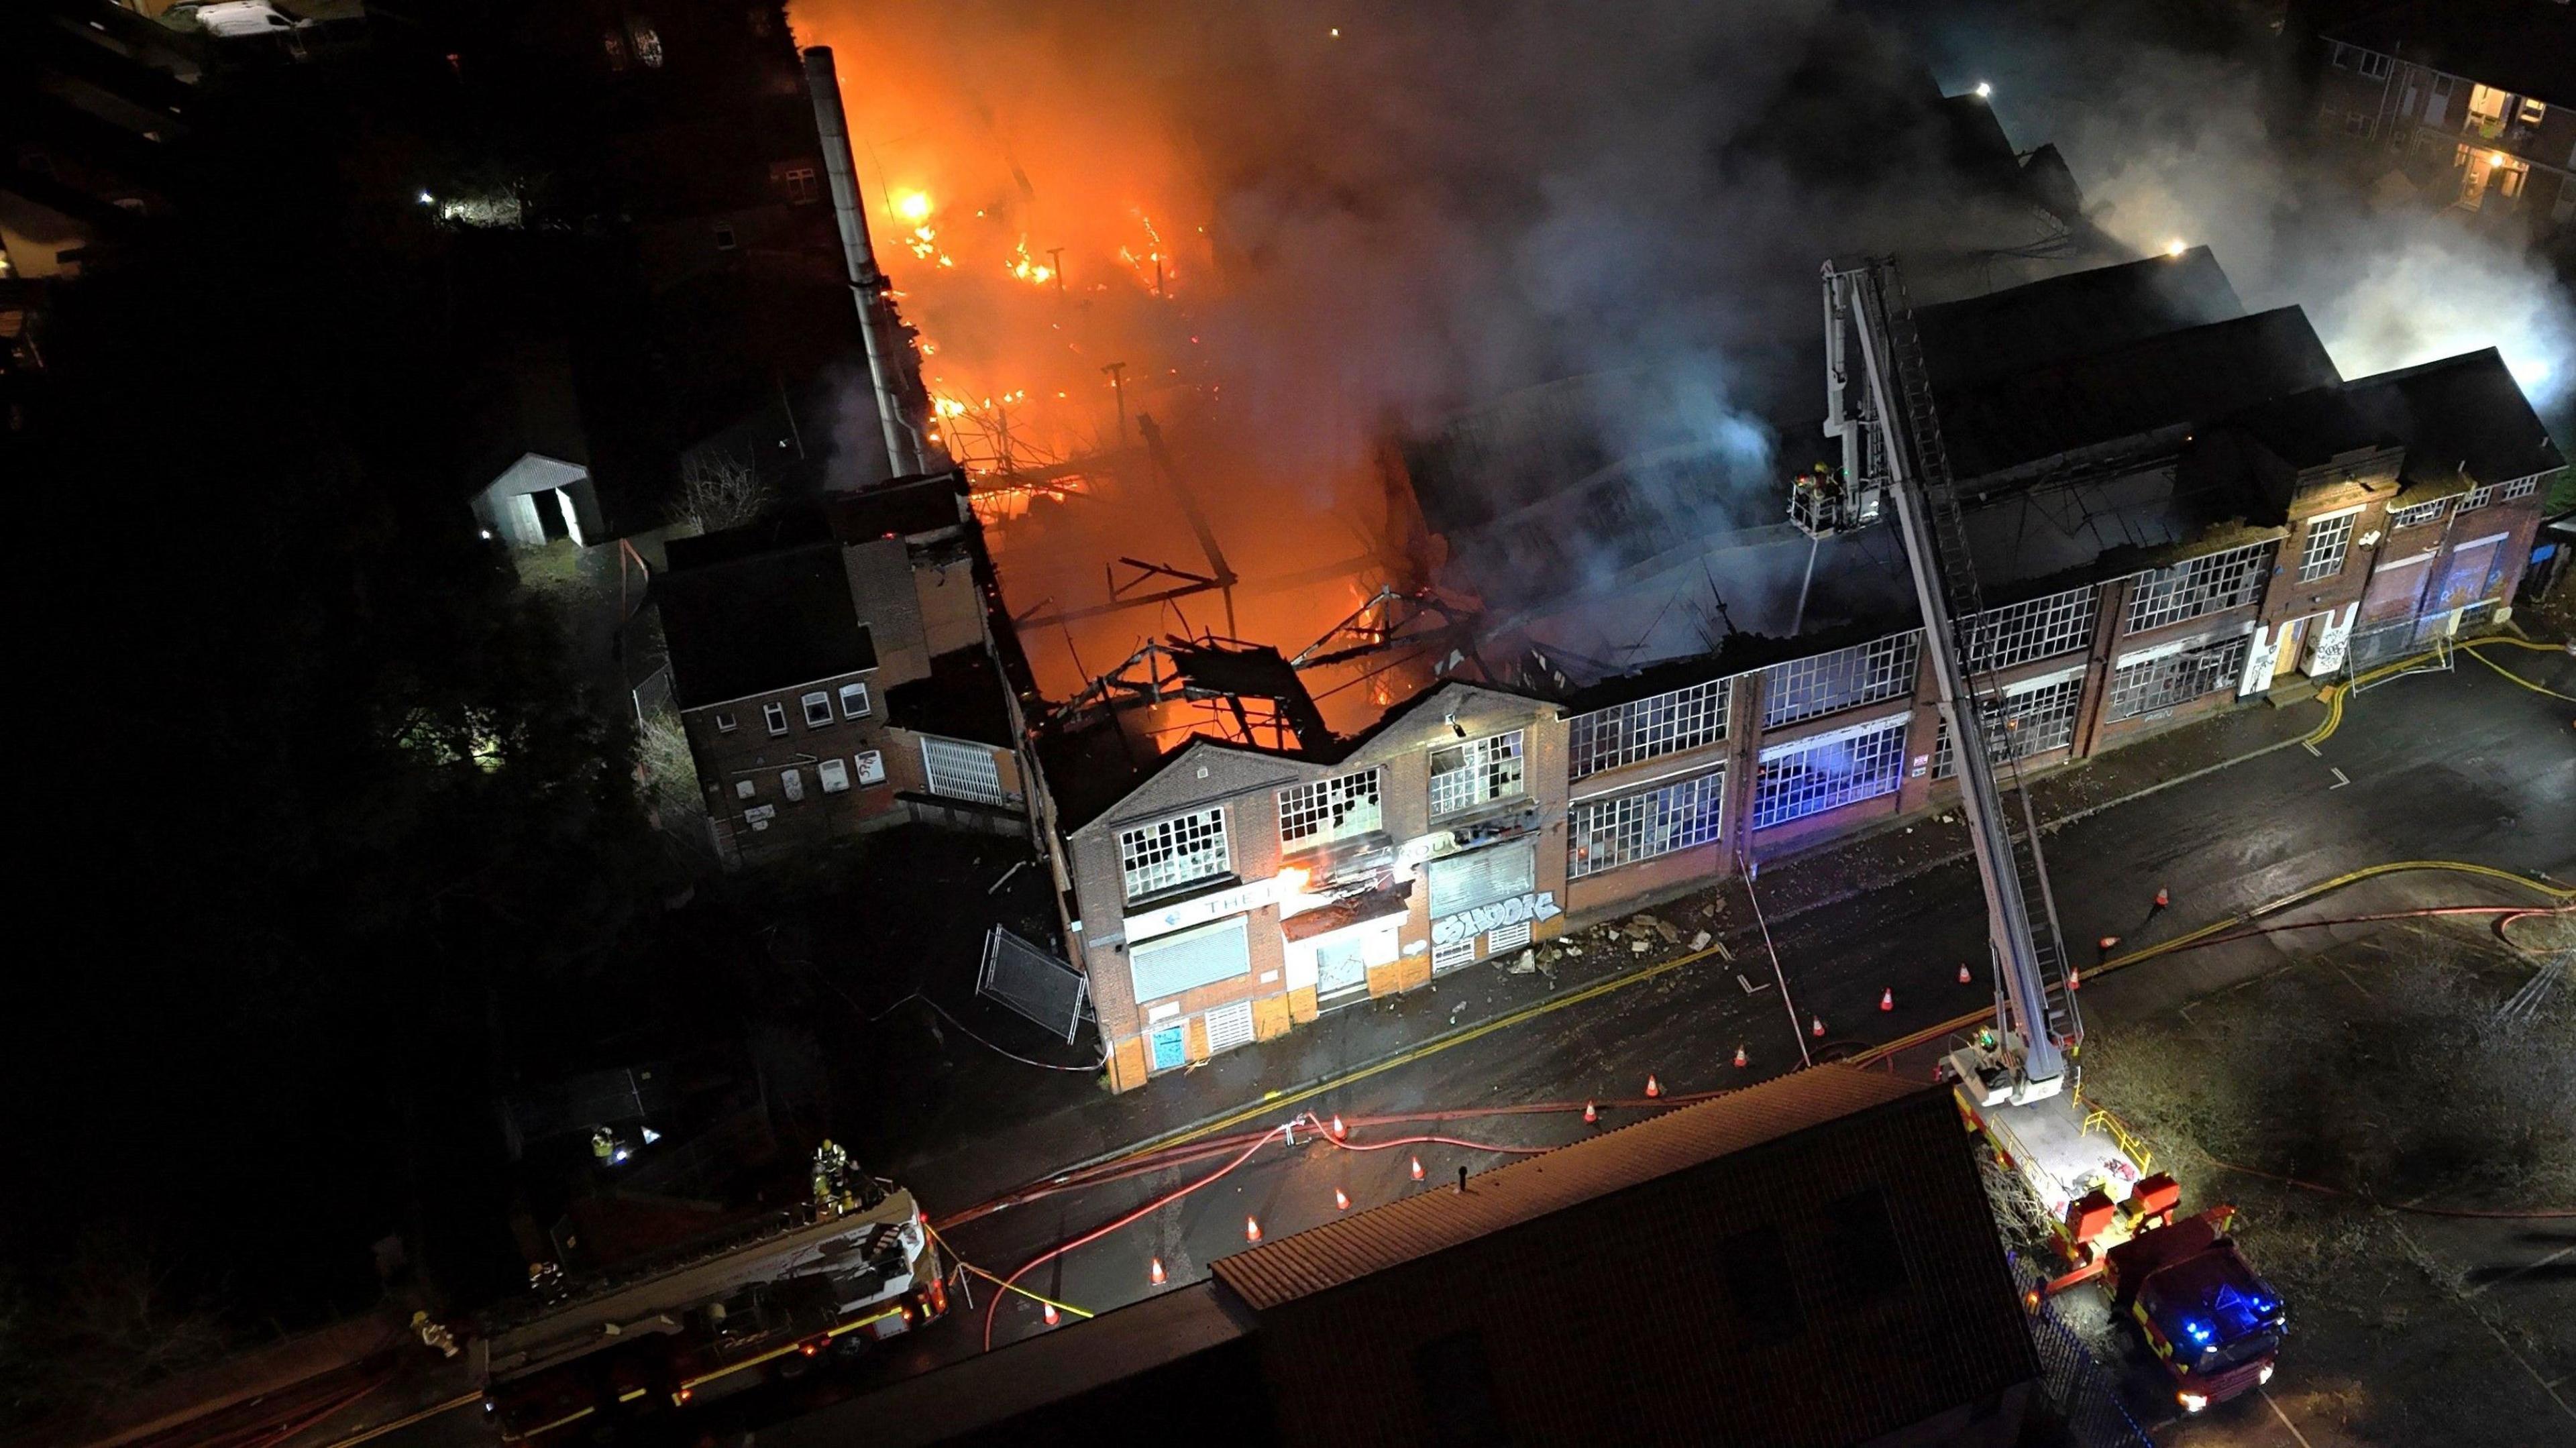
(1192,958)
(1481,877)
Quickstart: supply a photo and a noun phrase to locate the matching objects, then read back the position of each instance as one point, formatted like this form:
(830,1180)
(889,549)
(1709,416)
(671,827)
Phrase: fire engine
(853,1268)
(2213,1321)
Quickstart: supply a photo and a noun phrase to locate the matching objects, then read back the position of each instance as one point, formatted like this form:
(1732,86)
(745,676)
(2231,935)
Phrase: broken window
(1168,854)
(1826,771)
(1823,683)
(2197,586)
(2321,556)
(2163,678)
(1479,771)
(1329,809)
(2029,718)
(1631,733)
(818,709)
(1604,834)
(2020,633)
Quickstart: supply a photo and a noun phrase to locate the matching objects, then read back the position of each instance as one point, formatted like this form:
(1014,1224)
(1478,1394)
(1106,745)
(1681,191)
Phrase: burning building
(2175,504)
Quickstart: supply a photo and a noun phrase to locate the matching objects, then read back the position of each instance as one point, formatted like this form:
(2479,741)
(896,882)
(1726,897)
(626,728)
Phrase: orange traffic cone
(1417,1168)
(1252,1229)
(1964,977)
(2073,980)
(1741,1060)
(1591,1114)
(1049,1314)
(1154,1273)
(2108,943)
(1816,1027)
(1887,999)
(1654,1088)
(1341,1200)
(1339,1130)
(2162,898)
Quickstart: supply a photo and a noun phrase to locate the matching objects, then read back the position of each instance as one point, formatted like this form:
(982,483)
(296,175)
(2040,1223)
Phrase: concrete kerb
(1613,981)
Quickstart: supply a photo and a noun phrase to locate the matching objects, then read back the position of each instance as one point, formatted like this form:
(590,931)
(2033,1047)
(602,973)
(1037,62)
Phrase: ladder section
(2007,796)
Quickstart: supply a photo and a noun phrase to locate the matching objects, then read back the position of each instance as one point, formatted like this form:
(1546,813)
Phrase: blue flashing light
(2198,1329)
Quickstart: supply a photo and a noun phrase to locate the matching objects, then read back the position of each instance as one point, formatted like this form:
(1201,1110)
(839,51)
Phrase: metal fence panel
(2084,1394)
(1033,984)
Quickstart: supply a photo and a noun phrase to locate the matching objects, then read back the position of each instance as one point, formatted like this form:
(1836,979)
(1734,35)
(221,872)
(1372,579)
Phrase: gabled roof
(1349,1248)
(2527,47)
(760,624)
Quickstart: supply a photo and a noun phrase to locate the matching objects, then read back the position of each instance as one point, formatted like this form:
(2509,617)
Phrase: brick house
(2175,506)
(845,665)
(2473,102)
(1227,892)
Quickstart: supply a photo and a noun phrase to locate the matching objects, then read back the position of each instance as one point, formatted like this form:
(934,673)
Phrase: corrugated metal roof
(1356,1246)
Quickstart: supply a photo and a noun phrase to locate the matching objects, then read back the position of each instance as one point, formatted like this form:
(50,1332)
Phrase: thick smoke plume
(1303,228)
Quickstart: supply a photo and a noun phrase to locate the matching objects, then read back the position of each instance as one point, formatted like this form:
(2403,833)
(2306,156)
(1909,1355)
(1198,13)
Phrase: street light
(1984,90)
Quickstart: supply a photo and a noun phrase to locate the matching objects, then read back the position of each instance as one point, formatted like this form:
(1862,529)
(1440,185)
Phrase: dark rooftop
(898,509)
(2044,323)
(2165,380)
(961,698)
(759,624)
(2463,413)
(2527,47)
(1364,1243)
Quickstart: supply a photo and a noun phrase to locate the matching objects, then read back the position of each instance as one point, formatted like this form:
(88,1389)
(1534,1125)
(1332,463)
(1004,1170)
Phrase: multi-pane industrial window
(1630,733)
(2519,488)
(1603,834)
(2321,556)
(1464,776)
(2029,720)
(1823,683)
(1171,853)
(2003,638)
(961,771)
(1810,776)
(2474,499)
(1329,809)
(2424,512)
(2199,585)
(2178,677)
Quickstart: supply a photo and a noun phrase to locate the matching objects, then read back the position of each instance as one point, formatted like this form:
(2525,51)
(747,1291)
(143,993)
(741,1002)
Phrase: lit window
(2533,112)
(1329,809)
(835,775)
(724,724)
(775,716)
(648,42)
(1477,772)
(2321,556)
(2019,633)
(792,781)
(854,701)
(818,709)
(1604,834)
(2028,719)
(1826,771)
(1647,728)
(1169,854)
(2197,586)
(2169,676)
(1843,679)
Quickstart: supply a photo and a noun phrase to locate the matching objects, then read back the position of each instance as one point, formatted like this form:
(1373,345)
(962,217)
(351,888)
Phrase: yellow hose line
(2472,651)
(2298,897)
(2335,694)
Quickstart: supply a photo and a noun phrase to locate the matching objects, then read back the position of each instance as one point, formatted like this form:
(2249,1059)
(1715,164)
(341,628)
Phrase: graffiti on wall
(1516,910)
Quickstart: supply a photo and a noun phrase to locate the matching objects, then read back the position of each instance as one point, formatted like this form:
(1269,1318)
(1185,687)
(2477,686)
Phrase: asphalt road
(2464,766)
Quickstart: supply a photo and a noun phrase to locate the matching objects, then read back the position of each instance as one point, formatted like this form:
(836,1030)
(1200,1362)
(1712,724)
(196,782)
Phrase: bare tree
(719,491)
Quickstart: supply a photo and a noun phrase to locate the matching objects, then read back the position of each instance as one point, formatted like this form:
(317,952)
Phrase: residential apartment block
(846,665)
(2472,101)
(2176,507)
